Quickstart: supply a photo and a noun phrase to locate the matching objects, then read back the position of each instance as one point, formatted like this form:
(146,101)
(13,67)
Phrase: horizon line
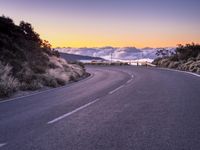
(114,47)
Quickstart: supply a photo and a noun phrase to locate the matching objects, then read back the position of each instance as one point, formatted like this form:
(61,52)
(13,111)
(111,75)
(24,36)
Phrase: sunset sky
(118,23)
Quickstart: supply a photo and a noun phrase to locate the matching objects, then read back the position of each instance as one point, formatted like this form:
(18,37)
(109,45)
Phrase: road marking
(193,74)
(2,144)
(115,90)
(129,81)
(72,112)
(197,75)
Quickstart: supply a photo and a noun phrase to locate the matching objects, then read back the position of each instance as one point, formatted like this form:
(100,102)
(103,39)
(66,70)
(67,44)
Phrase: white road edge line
(115,90)
(197,75)
(2,144)
(193,74)
(72,112)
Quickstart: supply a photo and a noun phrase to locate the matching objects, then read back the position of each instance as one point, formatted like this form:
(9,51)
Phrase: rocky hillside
(28,63)
(186,58)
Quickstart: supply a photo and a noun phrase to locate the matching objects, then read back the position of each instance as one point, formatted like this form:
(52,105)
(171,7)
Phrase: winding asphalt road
(117,108)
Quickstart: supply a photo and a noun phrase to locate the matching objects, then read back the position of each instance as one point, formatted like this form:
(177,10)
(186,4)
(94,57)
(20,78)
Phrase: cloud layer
(124,53)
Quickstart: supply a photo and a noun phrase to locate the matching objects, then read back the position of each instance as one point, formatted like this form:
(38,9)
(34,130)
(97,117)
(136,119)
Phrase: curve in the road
(118,108)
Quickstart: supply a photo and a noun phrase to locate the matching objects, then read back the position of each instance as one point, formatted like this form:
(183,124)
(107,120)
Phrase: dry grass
(8,85)
(27,79)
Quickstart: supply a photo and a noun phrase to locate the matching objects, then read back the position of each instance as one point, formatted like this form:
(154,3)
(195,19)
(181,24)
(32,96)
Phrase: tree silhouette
(29,32)
(187,51)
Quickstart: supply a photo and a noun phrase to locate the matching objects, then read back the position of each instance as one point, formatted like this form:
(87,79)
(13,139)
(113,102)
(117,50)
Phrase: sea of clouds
(124,53)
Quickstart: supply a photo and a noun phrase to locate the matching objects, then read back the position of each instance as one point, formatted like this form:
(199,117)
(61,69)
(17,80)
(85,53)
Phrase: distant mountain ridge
(75,57)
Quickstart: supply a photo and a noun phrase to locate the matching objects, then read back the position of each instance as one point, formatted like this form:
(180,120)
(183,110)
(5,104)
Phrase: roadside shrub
(38,69)
(58,74)
(173,64)
(186,58)
(72,78)
(60,81)
(156,61)
(51,82)
(8,85)
(77,63)
(34,85)
(52,65)
(173,58)
(187,51)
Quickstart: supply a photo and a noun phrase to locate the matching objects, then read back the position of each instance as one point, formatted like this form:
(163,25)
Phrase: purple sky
(93,23)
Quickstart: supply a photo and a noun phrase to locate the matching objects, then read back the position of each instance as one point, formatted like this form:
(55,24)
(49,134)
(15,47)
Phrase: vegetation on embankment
(28,63)
(185,57)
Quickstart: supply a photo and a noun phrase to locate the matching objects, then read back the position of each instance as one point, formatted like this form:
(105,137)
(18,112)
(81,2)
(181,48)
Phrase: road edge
(48,90)
(175,70)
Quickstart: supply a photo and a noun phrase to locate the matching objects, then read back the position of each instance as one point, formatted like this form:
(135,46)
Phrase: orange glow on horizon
(77,39)
(103,43)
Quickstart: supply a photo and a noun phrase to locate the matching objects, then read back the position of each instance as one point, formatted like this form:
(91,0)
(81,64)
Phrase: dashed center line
(86,105)
(129,81)
(72,112)
(115,90)
(2,144)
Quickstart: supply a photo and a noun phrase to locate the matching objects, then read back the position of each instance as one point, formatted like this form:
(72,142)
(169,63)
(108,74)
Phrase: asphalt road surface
(116,108)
